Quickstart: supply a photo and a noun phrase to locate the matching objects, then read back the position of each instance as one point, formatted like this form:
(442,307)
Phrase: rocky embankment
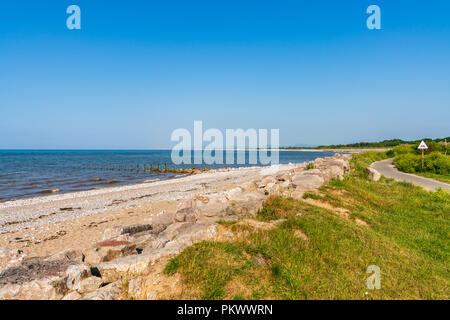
(127,262)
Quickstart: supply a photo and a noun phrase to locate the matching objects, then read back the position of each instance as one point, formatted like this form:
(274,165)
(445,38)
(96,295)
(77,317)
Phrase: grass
(435,176)
(310,195)
(226,222)
(406,234)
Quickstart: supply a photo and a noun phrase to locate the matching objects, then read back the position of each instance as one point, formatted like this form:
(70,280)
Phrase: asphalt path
(387,169)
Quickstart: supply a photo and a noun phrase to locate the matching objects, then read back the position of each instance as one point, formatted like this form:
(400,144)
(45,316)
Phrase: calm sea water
(29,173)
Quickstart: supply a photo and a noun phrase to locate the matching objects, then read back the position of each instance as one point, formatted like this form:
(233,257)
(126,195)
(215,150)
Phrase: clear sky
(137,70)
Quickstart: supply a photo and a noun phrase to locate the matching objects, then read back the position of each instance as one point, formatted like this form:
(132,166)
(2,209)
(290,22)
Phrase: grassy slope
(407,236)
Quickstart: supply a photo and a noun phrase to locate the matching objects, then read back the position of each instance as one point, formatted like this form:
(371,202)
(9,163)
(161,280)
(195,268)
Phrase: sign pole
(422,159)
(422,146)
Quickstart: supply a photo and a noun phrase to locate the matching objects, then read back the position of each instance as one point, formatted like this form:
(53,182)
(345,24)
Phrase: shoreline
(38,180)
(22,211)
(123,231)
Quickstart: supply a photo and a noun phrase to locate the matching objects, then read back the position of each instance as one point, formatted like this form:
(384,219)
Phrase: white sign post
(422,146)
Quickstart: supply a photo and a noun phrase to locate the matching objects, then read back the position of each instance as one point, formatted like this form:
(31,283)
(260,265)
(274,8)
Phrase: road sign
(422,146)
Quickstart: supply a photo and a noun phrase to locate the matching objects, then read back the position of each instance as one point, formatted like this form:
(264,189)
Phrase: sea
(31,173)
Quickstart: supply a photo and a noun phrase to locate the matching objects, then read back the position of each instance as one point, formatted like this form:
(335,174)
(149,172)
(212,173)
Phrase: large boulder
(215,207)
(373,174)
(185,234)
(88,285)
(39,279)
(121,230)
(111,291)
(75,256)
(161,220)
(307,181)
(134,265)
(109,250)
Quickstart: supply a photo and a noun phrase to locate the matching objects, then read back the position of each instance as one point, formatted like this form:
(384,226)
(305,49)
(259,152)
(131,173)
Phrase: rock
(191,218)
(159,242)
(71,255)
(264,182)
(160,221)
(137,265)
(109,250)
(216,206)
(343,163)
(72,296)
(48,288)
(89,284)
(259,260)
(39,279)
(307,181)
(134,287)
(174,230)
(235,194)
(314,171)
(373,174)
(318,162)
(185,214)
(144,240)
(239,195)
(120,230)
(193,233)
(151,295)
(337,172)
(8,253)
(75,274)
(272,188)
(285,184)
(249,186)
(134,265)
(179,217)
(284,177)
(109,292)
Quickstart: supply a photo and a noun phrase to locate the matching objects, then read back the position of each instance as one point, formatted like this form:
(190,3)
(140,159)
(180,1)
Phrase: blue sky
(137,70)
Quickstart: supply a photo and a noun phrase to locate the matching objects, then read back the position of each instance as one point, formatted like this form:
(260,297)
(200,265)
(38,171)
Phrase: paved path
(387,169)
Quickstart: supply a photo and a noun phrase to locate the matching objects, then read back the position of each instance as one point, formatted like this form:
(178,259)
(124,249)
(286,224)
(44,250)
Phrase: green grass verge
(435,176)
(407,236)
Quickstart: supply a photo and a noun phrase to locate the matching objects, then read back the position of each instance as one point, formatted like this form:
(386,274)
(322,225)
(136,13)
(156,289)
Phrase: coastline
(66,171)
(103,227)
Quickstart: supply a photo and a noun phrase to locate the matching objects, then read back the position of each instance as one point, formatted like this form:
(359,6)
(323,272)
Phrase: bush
(408,162)
(433,147)
(403,149)
(437,162)
(434,162)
